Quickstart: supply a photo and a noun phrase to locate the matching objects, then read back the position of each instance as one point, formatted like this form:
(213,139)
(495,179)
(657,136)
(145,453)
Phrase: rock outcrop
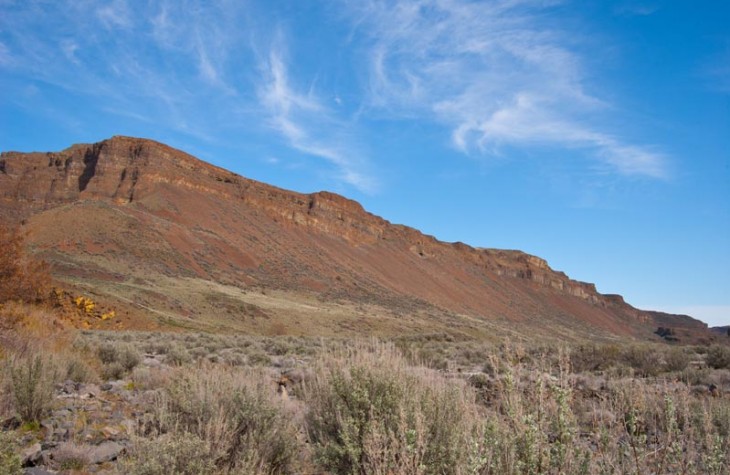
(102,209)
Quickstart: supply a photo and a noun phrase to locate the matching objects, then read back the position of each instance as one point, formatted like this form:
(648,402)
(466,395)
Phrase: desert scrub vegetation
(30,380)
(22,277)
(10,463)
(718,357)
(117,359)
(232,419)
(369,412)
(170,454)
(366,408)
(208,404)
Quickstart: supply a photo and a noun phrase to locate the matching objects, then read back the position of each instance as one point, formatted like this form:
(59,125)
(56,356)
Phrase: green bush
(32,380)
(112,371)
(9,458)
(129,357)
(645,360)
(178,356)
(594,357)
(79,371)
(69,456)
(676,359)
(108,353)
(259,358)
(236,414)
(374,415)
(718,357)
(170,454)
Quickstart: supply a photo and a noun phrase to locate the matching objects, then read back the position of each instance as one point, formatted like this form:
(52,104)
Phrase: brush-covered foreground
(176,403)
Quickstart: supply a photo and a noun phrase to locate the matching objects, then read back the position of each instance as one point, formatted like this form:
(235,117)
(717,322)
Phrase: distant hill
(177,242)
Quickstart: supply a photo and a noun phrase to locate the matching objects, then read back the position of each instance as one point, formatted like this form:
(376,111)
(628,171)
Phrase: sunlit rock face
(128,202)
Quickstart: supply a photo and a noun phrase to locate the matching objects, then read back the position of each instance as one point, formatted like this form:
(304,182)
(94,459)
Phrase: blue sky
(595,134)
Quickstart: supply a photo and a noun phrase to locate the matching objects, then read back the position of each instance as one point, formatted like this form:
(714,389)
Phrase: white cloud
(5,56)
(716,71)
(307,124)
(69,48)
(490,71)
(186,66)
(494,73)
(636,9)
(115,15)
(163,61)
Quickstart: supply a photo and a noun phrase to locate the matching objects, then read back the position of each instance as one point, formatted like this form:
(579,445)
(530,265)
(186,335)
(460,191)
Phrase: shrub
(594,357)
(69,456)
(112,371)
(718,356)
(32,380)
(676,359)
(645,360)
(108,353)
(9,458)
(129,357)
(259,358)
(178,355)
(79,371)
(235,413)
(373,414)
(22,277)
(170,454)
(695,376)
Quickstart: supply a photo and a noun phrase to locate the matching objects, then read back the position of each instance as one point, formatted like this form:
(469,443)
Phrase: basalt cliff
(174,241)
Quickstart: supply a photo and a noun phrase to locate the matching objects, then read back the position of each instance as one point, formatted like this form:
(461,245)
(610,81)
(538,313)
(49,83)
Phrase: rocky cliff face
(203,221)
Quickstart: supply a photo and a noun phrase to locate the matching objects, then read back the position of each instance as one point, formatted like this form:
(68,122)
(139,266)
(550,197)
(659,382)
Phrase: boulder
(31,455)
(105,452)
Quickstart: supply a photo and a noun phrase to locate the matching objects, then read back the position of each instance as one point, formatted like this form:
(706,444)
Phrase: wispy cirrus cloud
(307,123)
(636,8)
(103,50)
(190,66)
(494,72)
(5,58)
(115,15)
(716,69)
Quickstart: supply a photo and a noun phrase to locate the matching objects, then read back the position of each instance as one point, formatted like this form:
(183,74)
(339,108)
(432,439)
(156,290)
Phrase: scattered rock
(31,455)
(105,452)
(129,426)
(110,432)
(11,423)
(90,391)
(601,417)
(37,471)
(69,387)
(151,362)
(48,429)
(61,414)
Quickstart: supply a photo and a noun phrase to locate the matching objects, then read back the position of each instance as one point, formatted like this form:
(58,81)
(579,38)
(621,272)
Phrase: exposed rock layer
(134,203)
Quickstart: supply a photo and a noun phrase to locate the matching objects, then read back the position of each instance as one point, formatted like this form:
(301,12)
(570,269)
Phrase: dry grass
(411,406)
(442,402)
(235,413)
(368,409)
(10,463)
(370,412)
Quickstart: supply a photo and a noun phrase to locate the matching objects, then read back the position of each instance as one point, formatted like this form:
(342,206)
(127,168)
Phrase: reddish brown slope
(138,213)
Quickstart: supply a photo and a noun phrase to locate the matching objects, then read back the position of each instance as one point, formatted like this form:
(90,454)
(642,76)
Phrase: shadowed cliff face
(128,208)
